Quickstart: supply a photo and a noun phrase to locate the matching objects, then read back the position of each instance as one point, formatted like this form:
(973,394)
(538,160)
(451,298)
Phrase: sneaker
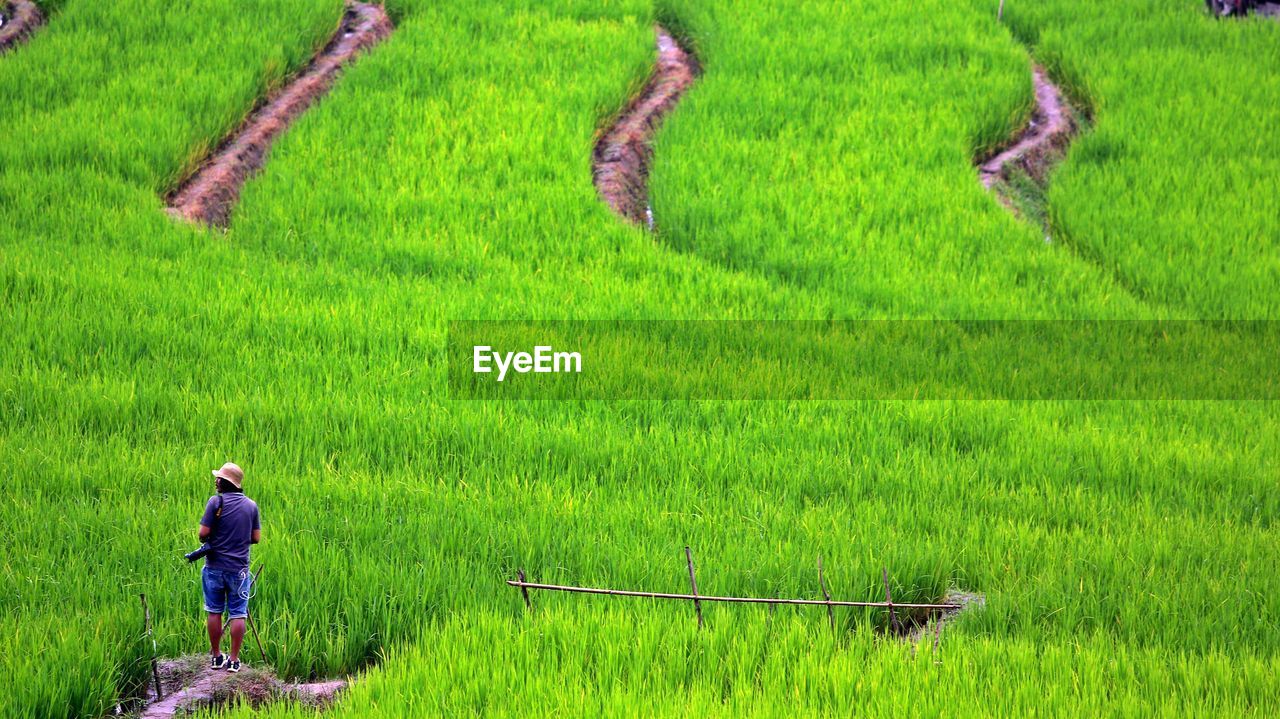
(233,665)
(218,662)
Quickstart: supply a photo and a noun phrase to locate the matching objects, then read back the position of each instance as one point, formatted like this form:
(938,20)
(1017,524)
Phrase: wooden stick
(709,598)
(1000,12)
(831,615)
(937,633)
(155,668)
(249,618)
(893,616)
(697,604)
(257,639)
(527,604)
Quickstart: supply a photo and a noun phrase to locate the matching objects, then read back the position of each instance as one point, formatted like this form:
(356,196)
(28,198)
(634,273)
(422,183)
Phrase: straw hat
(232,473)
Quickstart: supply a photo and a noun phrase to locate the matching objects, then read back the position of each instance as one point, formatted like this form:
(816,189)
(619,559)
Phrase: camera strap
(217,517)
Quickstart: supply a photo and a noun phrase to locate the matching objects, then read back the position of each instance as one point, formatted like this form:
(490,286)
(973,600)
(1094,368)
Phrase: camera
(203,550)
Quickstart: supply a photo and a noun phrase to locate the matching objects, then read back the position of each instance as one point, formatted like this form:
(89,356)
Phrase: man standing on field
(229,526)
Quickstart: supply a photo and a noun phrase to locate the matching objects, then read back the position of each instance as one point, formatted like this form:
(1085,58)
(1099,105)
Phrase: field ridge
(20,19)
(1037,147)
(208,195)
(623,154)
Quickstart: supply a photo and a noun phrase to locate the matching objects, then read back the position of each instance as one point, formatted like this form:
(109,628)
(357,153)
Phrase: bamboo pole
(831,614)
(155,668)
(527,604)
(893,615)
(710,598)
(697,603)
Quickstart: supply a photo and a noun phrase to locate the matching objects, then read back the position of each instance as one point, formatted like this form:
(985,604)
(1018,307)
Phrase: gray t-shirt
(232,530)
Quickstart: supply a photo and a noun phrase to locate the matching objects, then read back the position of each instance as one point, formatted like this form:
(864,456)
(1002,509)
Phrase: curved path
(208,195)
(623,153)
(1040,144)
(20,19)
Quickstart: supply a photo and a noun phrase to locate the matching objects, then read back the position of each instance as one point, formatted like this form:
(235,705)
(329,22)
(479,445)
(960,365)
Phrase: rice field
(822,167)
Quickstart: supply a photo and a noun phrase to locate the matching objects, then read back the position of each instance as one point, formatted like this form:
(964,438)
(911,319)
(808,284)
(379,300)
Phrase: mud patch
(18,19)
(1018,173)
(1042,142)
(926,625)
(208,195)
(190,686)
(624,151)
(1242,8)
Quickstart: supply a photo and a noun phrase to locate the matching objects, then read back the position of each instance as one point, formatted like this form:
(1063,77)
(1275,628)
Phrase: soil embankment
(18,19)
(208,195)
(929,626)
(1235,8)
(190,685)
(624,151)
(1042,142)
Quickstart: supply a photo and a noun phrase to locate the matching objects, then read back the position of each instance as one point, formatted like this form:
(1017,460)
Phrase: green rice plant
(767,668)
(1028,198)
(832,145)
(1172,193)
(1126,549)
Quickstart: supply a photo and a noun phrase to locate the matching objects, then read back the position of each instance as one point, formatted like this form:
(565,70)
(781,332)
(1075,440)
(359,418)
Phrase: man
(229,525)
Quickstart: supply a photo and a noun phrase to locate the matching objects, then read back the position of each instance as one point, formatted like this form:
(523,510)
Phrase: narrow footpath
(624,152)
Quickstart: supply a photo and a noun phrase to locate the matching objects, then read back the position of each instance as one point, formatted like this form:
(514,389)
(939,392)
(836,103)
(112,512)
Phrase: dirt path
(1223,9)
(623,153)
(201,687)
(20,19)
(208,195)
(190,685)
(1042,142)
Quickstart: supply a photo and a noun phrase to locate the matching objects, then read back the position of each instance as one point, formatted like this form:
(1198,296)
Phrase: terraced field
(822,166)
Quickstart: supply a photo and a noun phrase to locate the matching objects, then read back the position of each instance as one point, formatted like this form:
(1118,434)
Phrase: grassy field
(822,167)
(1173,192)
(821,161)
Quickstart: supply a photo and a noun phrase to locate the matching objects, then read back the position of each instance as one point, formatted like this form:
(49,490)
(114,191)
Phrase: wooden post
(697,604)
(893,616)
(937,633)
(155,669)
(249,618)
(831,615)
(1000,12)
(528,605)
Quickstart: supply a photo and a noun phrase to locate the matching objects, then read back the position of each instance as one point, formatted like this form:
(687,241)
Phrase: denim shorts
(226,591)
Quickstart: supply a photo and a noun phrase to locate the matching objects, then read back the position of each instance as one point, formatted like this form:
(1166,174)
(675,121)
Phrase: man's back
(232,530)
